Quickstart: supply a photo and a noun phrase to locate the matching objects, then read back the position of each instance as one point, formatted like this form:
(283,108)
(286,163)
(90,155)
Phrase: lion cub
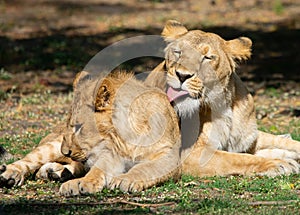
(137,140)
(126,135)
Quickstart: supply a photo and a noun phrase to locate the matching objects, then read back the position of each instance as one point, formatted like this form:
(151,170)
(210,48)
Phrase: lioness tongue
(174,94)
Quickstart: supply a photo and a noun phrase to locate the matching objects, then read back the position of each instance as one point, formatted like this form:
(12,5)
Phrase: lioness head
(198,62)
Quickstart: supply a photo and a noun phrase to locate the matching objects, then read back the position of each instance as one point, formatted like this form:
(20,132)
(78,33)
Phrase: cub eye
(78,127)
(177,53)
(209,57)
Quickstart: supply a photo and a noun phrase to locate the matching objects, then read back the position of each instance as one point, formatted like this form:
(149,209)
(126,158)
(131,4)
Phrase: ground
(44,43)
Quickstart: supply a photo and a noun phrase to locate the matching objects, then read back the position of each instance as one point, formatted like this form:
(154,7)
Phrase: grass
(278,7)
(292,128)
(28,141)
(4,75)
(213,195)
(189,195)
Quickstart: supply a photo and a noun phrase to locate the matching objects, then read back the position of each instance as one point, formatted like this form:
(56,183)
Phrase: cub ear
(79,76)
(240,48)
(172,30)
(103,97)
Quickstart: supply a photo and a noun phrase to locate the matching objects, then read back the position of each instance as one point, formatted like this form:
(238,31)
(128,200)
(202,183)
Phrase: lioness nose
(183,77)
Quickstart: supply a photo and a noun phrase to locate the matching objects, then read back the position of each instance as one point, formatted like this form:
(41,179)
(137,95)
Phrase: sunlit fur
(122,144)
(226,108)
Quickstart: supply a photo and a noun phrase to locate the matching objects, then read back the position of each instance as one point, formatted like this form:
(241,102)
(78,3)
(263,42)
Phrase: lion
(115,141)
(199,77)
(142,143)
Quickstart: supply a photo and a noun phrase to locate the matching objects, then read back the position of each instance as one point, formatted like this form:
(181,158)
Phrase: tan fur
(126,138)
(126,134)
(206,64)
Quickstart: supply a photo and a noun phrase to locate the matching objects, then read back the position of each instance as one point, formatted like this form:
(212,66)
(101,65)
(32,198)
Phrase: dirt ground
(44,43)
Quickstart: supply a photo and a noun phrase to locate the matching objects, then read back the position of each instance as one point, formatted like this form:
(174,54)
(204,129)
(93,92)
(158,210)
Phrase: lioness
(199,76)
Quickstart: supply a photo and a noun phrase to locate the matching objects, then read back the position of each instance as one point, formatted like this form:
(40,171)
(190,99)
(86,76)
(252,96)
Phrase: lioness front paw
(280,167)
(80,186)
(124,183)
(10,176)
(55,171)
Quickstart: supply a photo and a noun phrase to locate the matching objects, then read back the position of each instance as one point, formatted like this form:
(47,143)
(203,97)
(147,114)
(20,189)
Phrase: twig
(100,203)
(147,205)
(272,202)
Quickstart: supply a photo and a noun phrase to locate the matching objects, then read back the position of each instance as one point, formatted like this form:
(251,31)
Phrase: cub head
(71,148)
(198,63)
(90,115)
(70,145)
(80,134)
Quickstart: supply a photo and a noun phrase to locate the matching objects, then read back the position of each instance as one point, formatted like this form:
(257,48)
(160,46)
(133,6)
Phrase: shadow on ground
(275,61)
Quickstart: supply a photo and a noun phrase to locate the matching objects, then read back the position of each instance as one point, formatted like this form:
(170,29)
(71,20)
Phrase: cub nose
(183,77)
(66,151)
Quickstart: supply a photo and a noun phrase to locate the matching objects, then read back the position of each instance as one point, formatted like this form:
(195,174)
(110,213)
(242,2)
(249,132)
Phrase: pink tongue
(174,94)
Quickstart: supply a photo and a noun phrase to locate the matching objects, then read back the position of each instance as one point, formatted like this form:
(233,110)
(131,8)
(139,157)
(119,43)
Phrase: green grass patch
(20,145)
(293,128)
(4,75)
(273,92)
(278,7)
(212,195)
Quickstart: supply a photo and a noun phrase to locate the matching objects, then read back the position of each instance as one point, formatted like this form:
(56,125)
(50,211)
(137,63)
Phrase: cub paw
(55,172)
(10,176)
(126,184)
(80,187)
(281,167)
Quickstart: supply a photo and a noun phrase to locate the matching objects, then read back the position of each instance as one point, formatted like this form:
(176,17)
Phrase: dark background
(46,42)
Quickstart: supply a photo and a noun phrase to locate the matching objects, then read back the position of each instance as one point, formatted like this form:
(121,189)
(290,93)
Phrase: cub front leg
(106,166)
(47,151)
(93,182)
(148,173)
(139,178)
(61,172)
(205,161)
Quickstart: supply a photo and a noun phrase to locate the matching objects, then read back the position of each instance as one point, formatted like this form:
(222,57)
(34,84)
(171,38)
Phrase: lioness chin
(199,77)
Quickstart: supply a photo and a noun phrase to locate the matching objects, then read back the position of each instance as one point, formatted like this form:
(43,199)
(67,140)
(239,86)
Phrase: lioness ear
(103,97)
(173,30)
(240,48)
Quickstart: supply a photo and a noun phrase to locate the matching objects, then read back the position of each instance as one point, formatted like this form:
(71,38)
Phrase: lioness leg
(269,145)
(209,162)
